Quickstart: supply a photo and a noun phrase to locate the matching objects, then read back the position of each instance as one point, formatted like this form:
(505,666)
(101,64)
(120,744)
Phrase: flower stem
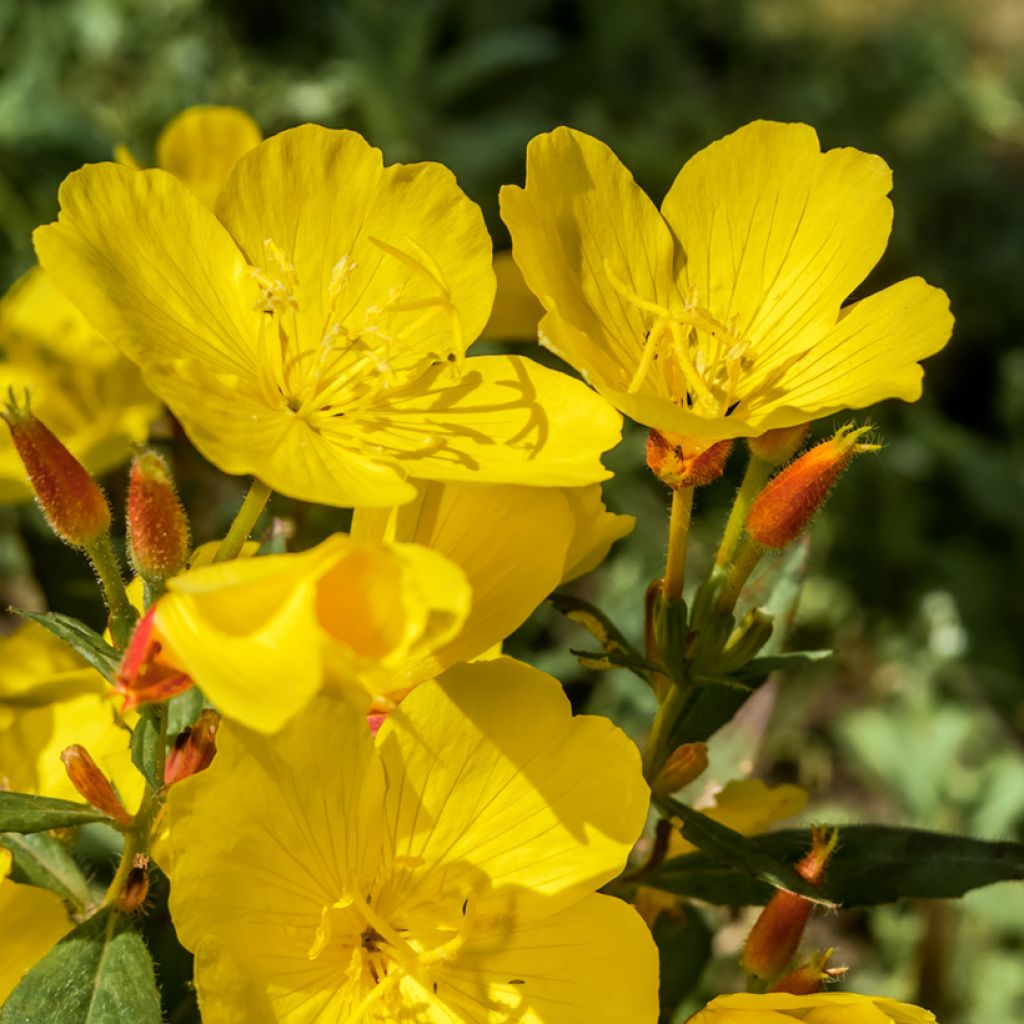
(755,477)
(743,565)
(664,719)
(122,614)
(238,534)
(678,533)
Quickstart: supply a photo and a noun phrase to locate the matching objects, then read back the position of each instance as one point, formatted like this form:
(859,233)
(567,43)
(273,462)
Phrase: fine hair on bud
(158,529)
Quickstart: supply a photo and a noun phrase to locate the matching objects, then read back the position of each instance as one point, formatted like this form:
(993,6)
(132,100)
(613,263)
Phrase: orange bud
(809,977)
(94,786)
(73,503)
(146,673)
(193,749)
(158,535)
(775,937)
(684,764)
(780,445)
(671,465)
(136,885)
(788,502)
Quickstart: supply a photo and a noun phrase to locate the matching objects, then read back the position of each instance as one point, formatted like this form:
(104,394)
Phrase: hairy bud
(94,786)
(158,533)
(810,977)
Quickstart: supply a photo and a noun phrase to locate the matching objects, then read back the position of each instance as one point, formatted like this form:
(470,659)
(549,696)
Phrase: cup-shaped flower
(445,872)
(313,331)
(820,1008)
(721,315)
(261,636)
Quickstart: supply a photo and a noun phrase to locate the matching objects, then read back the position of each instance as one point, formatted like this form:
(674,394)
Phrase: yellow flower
(313,332)
(262,636)
(91,397)
(32,921)
(517,313)
(49,699)
(721,315)
(515,545)
(446,873)
(823,1008)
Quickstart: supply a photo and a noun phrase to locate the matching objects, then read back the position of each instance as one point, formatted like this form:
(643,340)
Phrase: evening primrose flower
(446,872)
(261,636)
(722,315)
(91,396)
(313,332)
(49,700)
(821,1008)
(32,921)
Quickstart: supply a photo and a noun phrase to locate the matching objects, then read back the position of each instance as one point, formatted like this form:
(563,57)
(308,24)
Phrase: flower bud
(73,503)
(146,674)
(158,534)
(684,764)
(775,937)
(94,786)
(788,502)
(746,641)
(778,446)
(810,977)
(193,749)
(136,885)
(668,462)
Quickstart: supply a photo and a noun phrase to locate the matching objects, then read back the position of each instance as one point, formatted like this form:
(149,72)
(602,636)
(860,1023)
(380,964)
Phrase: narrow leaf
(88,643)
(684,949)
(726,845)
(778,662)
(101,973)
(42,861)
(873,864)
(146,742)
(23,812)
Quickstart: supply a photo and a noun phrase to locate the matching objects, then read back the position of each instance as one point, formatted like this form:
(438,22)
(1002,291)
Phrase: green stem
(754,479)
(664,719)
(122,614)
(136,840)
(678,534)
(238,534)
(748,556)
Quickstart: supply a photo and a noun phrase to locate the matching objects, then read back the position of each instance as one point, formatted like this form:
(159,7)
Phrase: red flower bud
(136,885)
(94,786)
(788,502)
(780,445)
(73,503)
(671,465)
(684,764)
(193,749)
(775,937)
(146,674)
(158,535)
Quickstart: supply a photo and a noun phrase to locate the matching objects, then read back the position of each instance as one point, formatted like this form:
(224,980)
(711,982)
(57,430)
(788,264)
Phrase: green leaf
(43,861)
(778,662)
(183,710)
(146,742)
(873,864)
(88,643)
(101,973)
(684,949)
(23,812)
(729,847)
(617,651)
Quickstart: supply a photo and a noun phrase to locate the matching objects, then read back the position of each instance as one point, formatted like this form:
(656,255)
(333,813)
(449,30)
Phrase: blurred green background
(915,569)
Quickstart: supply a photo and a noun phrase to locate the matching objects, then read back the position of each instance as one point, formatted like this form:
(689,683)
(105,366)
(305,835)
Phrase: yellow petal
(820,1008)
(517,311)
(32,921)
(508,420)
(593,963)
(262,842)
(581,220)
(503,795)
(202,145)
(595,530)
(776,233)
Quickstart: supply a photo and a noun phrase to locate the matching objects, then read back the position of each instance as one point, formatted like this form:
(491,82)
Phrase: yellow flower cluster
(400,824)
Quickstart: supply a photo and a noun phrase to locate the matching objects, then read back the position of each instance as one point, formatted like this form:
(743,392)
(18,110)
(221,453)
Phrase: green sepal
(101,973)
(146,743)
(24,812)
(183,709)
(763,667)
(672,636)
(85,641)
(872,864)
(734,849)
(42,861)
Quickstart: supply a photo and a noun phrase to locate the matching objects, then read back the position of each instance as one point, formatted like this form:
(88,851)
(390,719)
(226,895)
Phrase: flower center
(380,950)
(342,364)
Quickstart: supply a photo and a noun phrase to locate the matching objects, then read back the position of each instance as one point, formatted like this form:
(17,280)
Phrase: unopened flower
(92,784)
(314,332)
(158,532)
(136,886)
(446,871)
(193,750)
(686,763)
(721,315)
